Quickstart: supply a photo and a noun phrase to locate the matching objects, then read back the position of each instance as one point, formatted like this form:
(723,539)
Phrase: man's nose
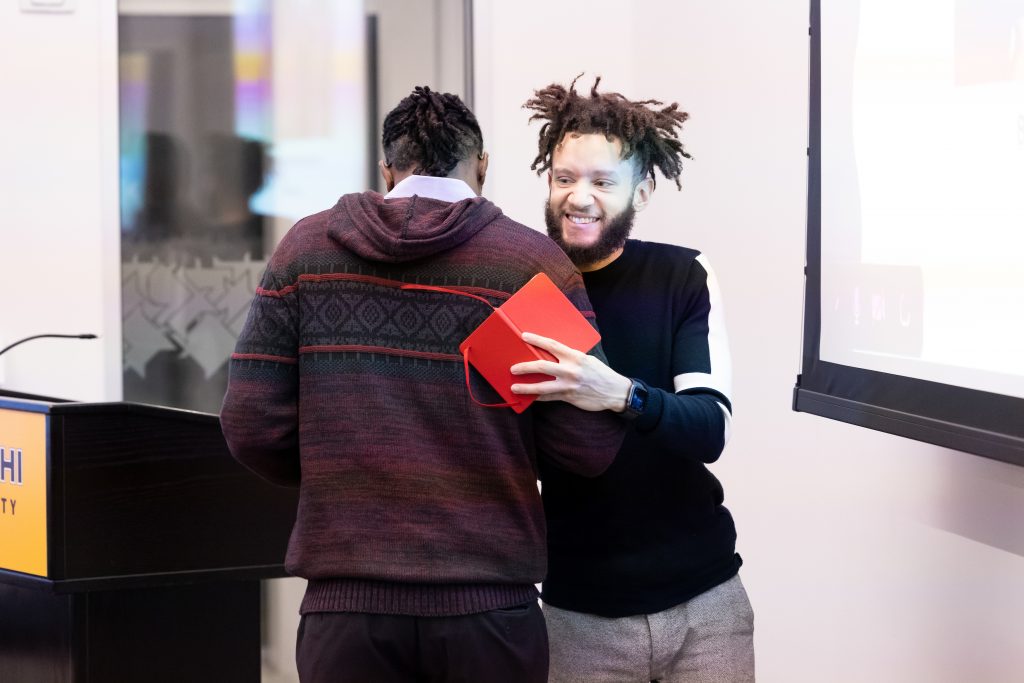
(581,198)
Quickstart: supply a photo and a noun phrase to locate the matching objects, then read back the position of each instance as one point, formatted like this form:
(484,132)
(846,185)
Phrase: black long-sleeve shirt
(651,532)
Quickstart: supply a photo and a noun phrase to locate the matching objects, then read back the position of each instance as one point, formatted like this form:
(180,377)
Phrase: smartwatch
(636,400)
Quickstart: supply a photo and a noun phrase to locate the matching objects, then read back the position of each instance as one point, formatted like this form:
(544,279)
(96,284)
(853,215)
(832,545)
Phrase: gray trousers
(708,639)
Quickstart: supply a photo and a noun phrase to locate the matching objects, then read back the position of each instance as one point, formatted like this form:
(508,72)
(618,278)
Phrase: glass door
(238,118)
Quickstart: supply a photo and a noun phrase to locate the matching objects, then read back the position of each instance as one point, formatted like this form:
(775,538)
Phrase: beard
(613,236)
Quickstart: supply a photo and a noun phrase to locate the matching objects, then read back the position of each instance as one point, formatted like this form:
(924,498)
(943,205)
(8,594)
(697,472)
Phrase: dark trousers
(503,645)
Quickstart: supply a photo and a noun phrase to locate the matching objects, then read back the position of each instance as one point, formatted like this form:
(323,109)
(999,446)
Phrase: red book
(496,345)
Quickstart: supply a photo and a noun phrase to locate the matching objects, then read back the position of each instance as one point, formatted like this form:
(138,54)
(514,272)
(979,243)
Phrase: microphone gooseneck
(41,336)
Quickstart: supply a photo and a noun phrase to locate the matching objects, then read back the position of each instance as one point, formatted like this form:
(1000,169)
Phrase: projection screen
(914,301)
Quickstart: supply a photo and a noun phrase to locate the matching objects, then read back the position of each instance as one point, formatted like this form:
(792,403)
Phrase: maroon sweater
(412,498)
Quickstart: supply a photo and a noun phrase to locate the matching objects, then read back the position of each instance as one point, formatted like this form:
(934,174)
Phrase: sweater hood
(408,228)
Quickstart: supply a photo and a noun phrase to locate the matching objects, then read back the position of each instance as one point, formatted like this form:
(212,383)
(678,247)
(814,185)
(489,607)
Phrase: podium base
(185,632)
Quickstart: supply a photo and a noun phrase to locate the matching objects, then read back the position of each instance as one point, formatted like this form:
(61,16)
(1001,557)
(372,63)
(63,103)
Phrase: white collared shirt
(444,189)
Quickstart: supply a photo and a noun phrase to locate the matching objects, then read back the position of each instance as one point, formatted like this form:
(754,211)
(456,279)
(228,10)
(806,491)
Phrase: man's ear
(642,194)
(481,168)
(387,175)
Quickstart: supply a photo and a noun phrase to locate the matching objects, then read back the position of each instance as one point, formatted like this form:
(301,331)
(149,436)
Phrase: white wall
(868,557)
(59,234)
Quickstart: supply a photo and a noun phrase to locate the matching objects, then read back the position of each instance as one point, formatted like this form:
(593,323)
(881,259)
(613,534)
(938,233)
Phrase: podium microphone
(40,336)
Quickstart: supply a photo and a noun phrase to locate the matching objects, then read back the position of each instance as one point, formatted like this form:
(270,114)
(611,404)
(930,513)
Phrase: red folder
(496,345)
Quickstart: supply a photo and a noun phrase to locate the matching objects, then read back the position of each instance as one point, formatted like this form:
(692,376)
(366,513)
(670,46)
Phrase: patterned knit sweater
(412,498)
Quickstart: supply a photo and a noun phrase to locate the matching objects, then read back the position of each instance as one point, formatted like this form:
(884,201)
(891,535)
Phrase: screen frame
(977,422)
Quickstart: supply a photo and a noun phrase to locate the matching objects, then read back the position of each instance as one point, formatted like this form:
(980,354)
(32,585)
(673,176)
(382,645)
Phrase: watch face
(637,399)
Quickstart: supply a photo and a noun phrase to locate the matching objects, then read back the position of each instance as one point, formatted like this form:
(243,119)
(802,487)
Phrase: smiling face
(593,196)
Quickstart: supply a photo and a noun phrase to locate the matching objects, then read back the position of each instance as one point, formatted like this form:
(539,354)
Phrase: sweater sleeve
(259,416)
(699,412)
(572,439)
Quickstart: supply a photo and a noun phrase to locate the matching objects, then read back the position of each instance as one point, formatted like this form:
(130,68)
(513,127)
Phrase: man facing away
(419,524)
(643,581)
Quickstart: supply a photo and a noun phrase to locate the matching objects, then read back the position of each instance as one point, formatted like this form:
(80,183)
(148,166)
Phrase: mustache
(614,232)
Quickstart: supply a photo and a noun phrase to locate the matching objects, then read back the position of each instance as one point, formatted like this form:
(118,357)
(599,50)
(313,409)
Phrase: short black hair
(429,133)
(649,134)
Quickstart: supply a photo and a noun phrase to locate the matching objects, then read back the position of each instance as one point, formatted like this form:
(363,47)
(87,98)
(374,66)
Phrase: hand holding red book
(496,345)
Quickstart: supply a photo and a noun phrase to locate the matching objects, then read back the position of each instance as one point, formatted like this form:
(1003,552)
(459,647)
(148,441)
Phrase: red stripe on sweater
(287,360)
(369,279)
(381,349)
(276,293)
(383,282)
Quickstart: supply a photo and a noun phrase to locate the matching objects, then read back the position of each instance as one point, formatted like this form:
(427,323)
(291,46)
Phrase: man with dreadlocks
(643,577)
(419,525)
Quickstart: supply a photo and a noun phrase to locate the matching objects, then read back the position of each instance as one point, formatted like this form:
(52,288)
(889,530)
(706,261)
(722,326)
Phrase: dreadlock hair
(648,134)
(429,133)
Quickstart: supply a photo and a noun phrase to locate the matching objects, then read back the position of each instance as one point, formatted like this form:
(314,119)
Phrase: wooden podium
(131,545)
